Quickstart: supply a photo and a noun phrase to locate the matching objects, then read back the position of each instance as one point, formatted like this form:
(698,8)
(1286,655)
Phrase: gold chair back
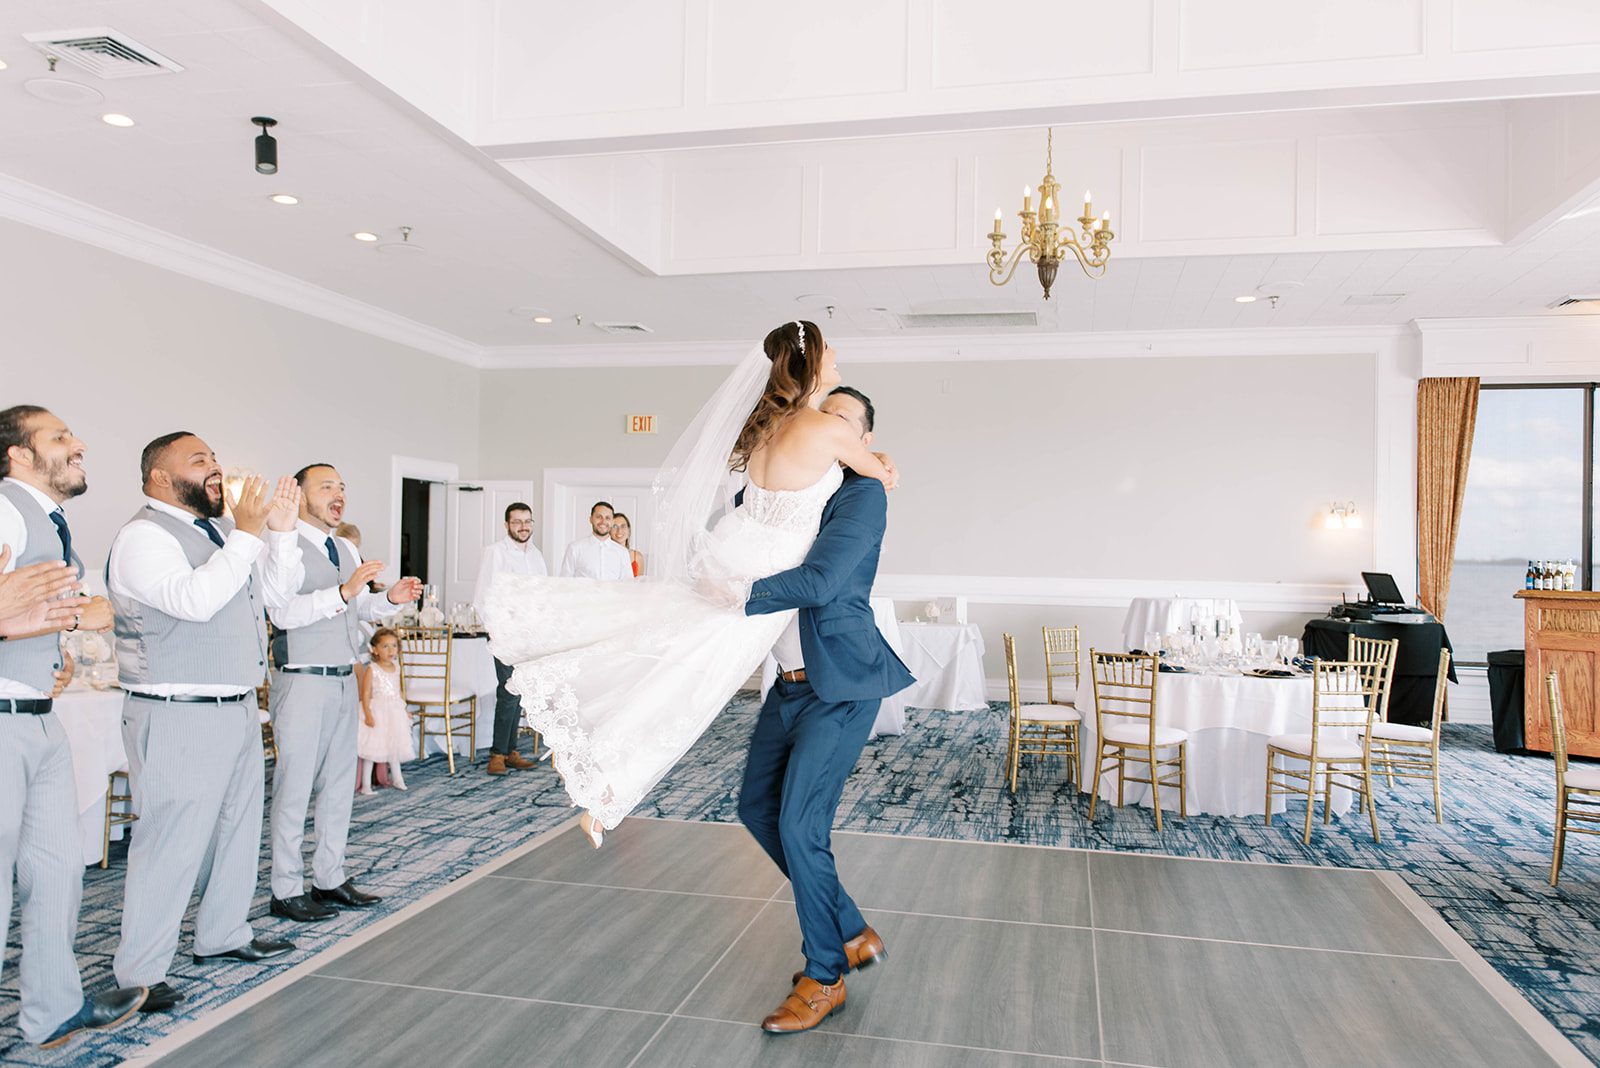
(1439,693)
(1345,695)
(1124,686)
(1558,729)
(424,657)
(1384,650)
(1012,690)
(1061,661)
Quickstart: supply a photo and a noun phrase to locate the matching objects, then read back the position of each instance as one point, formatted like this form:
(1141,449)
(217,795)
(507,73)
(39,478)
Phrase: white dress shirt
(288,609)
(597,557)
(14,532)
(786,651)
(148,565)
(507,557)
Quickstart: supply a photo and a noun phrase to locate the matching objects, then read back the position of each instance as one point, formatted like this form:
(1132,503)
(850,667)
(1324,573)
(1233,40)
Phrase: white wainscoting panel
(1259,33)
(1497,26)
(1009,42)
(888,205)
(1201,191)
(1432,179)
(760,53)
(560,59)
(736,212)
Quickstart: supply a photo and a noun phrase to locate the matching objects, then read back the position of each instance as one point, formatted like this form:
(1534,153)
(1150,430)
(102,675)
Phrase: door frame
(559,501)
(411,467)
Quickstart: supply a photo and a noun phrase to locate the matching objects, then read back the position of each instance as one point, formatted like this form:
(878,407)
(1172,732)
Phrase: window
(1529,496)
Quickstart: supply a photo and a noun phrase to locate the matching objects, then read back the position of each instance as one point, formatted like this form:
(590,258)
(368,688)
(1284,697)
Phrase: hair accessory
(802,328)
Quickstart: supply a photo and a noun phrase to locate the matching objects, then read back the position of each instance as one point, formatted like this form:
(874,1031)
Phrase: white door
(571,493)
(474,518)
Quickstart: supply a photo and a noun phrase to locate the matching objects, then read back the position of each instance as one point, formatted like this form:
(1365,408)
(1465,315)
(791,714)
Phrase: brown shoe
(805,1007)
(862,951)
(497,764)
(517,762)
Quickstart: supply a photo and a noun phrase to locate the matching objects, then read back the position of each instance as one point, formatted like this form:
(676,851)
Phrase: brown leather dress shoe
(517,762)
(497,764)
(805,1007)
(862,951)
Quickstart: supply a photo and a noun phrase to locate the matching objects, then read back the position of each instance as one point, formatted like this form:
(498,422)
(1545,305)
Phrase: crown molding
(38,207)
(1577,324)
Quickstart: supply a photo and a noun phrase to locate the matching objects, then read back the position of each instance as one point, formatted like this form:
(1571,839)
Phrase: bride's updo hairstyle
(796,363)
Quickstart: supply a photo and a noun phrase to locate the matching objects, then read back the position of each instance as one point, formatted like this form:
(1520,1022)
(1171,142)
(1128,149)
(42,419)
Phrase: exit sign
(641,424)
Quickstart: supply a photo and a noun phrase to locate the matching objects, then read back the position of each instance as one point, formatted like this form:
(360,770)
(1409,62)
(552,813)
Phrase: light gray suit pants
(314,724)
(196,777)
(39,842)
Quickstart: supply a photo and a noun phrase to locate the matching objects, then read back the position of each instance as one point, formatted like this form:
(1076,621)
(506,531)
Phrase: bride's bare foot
(592,829)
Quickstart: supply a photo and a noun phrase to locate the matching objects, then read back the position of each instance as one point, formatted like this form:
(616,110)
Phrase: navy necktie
(210,531)
(333,552)
(60,520)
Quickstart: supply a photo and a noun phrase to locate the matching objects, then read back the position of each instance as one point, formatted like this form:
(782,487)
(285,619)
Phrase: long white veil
(694,484)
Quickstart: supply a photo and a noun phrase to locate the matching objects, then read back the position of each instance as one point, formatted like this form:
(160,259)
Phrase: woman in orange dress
(622,534)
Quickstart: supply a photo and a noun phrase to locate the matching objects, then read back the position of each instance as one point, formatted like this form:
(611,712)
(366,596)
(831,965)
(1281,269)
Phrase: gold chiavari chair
(1061,661)
(425,682)
(1404,751)
(115,797)
(1038,730)
(1361,650)
(1345,698)
(1126,729)
(1577,788)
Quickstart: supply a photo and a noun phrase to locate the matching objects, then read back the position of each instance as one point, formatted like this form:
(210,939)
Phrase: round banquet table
(471,670)
(947,662)
(1163,615)
(1229,719)
(92,721)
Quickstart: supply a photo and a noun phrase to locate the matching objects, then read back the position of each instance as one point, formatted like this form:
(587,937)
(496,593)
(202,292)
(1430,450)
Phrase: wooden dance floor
(668,946)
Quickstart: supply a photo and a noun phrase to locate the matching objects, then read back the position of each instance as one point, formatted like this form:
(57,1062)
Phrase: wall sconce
(1343,516)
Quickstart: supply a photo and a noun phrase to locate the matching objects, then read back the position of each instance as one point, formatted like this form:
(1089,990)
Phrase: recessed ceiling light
(1246,299)
(2,64)
(112,118)
(285,198)
(362,235)
(543,320)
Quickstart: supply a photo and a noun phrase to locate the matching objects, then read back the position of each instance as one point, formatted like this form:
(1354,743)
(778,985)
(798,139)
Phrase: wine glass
(1252,648)
(1152,642)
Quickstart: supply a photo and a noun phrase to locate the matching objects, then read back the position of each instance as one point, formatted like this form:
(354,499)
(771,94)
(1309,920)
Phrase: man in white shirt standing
(514,554)
(597,556)
(41,462)
(191,649)
(314,702)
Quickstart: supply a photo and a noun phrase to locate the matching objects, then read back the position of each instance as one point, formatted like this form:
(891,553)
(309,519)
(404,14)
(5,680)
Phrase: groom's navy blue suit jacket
(846,658)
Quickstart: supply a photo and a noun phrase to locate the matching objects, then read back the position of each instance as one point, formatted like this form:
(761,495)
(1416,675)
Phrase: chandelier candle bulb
(1088,205)
(1027,198)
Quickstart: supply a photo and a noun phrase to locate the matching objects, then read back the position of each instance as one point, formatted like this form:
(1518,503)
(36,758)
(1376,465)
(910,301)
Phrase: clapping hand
(285,508)
(35,599)
(406,591)
(97,615)
(358,581)
(251,505)
(63,674)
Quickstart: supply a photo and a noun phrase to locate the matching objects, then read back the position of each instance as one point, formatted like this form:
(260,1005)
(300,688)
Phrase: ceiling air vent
(1570,301)
(625,328)
(1367,299)
(103,52)
(977,320)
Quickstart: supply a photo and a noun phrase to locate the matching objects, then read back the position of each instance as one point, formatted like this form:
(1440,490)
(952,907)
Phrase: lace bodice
(796,510)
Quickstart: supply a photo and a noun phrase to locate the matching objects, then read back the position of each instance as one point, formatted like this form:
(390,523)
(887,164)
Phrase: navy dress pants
(802,751)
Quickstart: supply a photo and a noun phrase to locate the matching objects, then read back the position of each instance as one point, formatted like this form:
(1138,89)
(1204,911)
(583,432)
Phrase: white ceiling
(361,159)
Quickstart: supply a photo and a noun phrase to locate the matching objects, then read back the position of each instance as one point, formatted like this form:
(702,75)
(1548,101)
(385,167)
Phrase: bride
(622,677)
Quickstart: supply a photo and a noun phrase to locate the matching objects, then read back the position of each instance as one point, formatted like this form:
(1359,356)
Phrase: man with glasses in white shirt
(514,554)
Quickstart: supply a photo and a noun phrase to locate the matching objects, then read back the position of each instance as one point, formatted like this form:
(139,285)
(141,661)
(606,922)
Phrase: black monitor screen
(1381,588)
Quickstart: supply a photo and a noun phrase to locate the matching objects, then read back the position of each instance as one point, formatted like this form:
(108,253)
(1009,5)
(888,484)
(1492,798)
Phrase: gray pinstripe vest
(33,661)
(155,648)
(331,641)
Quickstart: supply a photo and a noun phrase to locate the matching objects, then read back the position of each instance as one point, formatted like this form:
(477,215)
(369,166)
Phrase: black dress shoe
(345,895)
(301,908)
(99,1013)
(257,949)
(162,998)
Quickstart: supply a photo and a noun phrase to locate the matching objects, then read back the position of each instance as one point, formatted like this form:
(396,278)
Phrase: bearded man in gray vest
(191,649)
(41,462)
(314,697)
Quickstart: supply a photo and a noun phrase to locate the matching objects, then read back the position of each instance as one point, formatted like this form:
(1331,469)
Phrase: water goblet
(1152,642)
(1290,647)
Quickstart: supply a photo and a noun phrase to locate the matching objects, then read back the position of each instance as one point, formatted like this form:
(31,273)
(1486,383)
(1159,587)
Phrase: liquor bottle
(1569,577)
(1529,580)
(1543,578)
(1549,580)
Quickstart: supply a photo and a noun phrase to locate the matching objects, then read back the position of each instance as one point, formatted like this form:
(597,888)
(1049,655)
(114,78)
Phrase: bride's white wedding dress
(622,677)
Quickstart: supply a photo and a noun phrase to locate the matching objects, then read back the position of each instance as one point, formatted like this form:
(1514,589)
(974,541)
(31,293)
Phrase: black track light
(266,147)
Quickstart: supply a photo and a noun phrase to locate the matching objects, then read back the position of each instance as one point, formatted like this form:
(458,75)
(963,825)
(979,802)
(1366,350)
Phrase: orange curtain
(1447,409)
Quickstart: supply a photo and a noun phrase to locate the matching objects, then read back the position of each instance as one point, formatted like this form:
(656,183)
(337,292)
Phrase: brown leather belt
(798,675)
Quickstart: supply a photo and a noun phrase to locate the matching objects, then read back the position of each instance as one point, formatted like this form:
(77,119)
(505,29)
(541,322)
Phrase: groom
(834,669)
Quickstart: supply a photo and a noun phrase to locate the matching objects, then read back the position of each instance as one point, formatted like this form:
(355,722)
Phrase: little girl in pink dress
(383,736)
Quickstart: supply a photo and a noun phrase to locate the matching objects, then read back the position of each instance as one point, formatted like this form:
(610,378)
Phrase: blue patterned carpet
(1484,869)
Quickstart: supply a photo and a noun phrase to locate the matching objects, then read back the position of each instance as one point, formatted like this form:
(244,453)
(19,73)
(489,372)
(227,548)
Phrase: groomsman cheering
(42,465)
(314,700)
(596,556)
(191,649)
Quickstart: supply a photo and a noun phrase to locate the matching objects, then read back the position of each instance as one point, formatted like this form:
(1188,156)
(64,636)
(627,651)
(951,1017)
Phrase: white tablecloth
(471,669)
(1229,719)
(892,712)
(1165,614)
(947,660)
(92,722)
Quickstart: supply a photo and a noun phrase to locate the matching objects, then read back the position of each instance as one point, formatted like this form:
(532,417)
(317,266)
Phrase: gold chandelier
(1043,238)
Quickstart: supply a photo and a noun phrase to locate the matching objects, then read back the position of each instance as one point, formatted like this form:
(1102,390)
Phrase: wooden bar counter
(1562,634)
